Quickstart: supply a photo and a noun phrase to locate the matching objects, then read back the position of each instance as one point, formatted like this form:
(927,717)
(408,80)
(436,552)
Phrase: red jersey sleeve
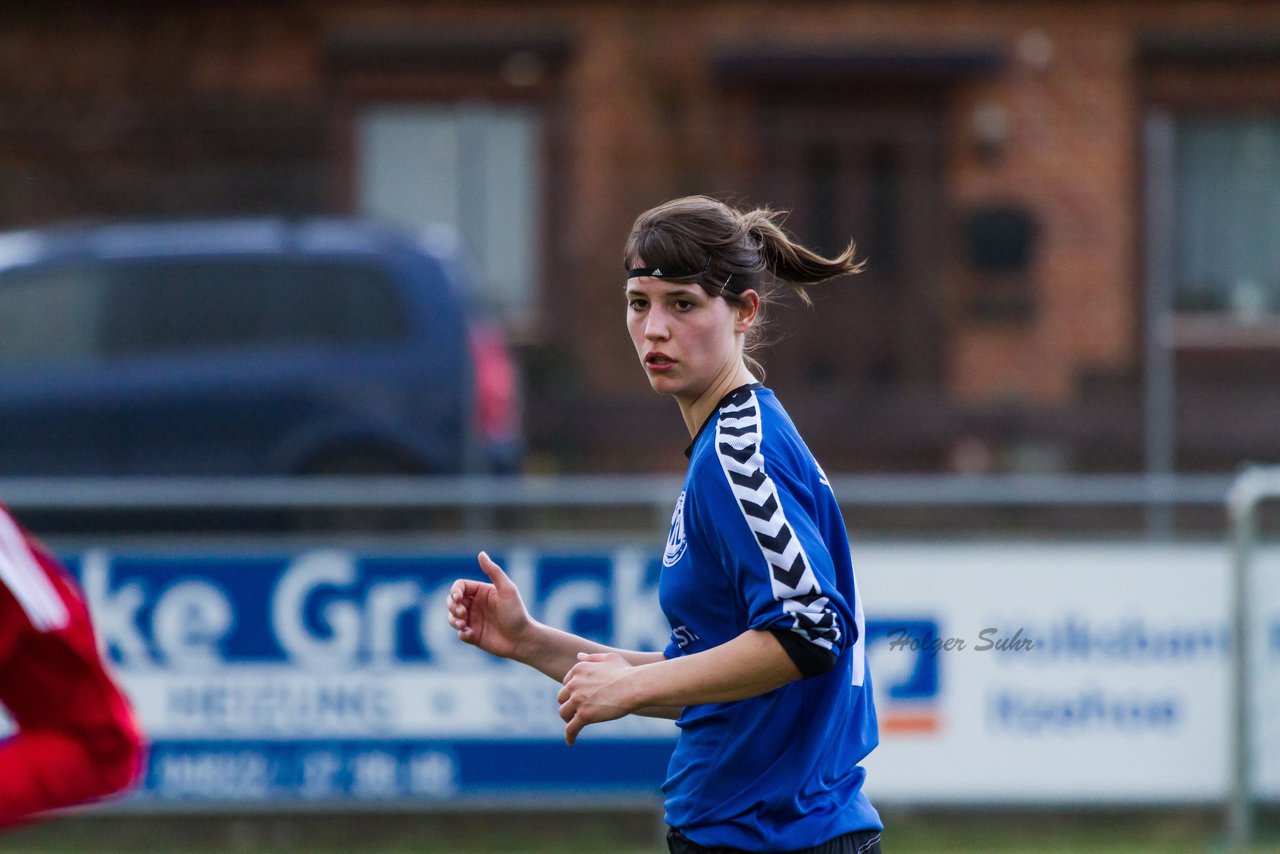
(77,739)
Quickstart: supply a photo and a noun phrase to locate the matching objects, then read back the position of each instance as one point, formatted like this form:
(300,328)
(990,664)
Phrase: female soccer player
(76,738)
(765,671)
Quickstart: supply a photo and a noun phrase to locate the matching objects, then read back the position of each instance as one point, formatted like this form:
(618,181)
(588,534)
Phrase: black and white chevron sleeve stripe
(738,437)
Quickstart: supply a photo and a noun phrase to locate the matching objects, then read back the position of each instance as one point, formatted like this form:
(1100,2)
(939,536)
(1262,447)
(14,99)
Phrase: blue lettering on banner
(273,707)
(1030,713)
(327,610)
(1133,639)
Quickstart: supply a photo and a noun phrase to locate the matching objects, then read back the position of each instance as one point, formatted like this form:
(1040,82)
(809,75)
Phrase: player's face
(687,340)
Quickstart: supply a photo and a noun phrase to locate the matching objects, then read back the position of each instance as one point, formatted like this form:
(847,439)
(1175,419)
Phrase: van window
(48,315)
(176,305)
(67,313)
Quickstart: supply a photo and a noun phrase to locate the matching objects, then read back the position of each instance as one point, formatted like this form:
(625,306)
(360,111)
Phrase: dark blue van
(248,347)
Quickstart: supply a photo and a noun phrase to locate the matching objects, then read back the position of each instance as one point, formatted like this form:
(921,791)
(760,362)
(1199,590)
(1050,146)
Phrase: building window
(472,165)
(1228,192)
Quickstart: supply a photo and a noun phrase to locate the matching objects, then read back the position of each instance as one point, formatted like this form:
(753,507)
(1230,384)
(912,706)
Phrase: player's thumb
(571,731)
(495,573)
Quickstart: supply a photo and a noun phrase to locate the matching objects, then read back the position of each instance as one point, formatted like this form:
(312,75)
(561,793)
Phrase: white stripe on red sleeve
(22,573)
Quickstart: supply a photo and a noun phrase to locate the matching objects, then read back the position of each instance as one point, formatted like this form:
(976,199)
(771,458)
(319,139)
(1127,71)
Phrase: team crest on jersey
(675,540)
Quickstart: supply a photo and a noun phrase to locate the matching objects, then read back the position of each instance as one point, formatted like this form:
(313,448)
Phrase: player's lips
(658,361)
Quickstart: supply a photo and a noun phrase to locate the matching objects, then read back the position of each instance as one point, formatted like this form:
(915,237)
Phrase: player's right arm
(492,616)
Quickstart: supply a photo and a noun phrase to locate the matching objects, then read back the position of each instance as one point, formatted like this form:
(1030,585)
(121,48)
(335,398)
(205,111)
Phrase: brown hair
(736,250)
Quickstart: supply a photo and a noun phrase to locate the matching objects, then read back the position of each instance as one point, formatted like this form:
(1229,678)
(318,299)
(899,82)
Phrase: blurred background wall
(993,161)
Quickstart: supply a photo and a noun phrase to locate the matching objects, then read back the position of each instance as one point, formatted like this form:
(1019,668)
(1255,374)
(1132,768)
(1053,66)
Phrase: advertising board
(1004,673)
(1033,672)
(330,676)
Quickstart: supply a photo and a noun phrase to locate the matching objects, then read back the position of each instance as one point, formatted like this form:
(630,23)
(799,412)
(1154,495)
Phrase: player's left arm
(797,622)
(604,687)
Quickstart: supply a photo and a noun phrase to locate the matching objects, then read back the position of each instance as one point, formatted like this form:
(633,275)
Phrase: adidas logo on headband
(657,273)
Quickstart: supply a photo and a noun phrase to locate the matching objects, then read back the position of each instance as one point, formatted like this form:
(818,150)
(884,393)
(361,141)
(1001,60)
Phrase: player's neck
(699,409)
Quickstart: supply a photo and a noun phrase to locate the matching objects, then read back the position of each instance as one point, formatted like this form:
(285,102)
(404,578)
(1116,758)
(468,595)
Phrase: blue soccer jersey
(757,542)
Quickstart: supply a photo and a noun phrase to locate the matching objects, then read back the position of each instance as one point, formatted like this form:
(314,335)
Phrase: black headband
(659,273)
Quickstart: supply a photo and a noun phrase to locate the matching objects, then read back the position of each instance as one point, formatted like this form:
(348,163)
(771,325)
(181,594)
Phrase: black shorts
(858,842)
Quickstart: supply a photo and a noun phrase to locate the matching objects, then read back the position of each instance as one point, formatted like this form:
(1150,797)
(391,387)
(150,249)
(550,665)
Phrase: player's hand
(593,692)
(490,616)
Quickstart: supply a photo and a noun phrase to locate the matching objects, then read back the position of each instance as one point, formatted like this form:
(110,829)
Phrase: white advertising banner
(1057,672)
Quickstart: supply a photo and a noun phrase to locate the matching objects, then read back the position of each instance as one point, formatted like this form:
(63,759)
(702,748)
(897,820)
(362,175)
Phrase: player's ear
(746,312)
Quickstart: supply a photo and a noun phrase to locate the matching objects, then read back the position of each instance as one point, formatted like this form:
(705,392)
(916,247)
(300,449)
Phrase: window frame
(390,67)
(1205,75)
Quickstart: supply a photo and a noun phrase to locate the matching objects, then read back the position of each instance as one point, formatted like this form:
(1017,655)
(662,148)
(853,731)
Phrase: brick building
(1021,177)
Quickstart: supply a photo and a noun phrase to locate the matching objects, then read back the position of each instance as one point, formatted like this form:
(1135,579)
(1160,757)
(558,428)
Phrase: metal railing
(571,491)
(1247,494)
(478,498)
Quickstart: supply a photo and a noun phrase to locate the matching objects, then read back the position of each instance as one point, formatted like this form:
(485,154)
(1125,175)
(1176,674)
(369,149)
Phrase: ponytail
(792,263)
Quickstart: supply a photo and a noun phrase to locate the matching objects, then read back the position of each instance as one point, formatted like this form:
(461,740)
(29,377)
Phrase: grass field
(933,832)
